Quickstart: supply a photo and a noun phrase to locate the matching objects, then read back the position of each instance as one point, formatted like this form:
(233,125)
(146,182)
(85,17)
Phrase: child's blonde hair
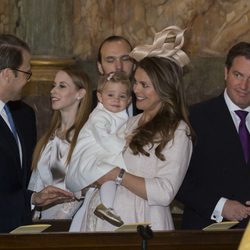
(114,77)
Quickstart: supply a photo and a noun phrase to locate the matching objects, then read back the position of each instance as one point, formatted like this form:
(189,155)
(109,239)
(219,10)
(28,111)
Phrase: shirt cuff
(216,215)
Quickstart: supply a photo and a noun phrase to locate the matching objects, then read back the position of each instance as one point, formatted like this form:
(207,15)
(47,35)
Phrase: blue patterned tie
(243,133)
(11,122)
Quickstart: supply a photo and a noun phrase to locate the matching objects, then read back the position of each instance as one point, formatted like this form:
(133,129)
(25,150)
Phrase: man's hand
(234,210)
(49,195)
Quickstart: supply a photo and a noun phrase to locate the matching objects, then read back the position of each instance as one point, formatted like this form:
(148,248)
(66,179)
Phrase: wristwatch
(119,178)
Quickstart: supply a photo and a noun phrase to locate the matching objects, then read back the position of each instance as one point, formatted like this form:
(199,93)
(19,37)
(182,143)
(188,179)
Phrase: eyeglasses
(28,73)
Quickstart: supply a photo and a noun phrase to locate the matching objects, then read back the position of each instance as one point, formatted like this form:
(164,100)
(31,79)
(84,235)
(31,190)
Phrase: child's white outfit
(99,147)
(98,150)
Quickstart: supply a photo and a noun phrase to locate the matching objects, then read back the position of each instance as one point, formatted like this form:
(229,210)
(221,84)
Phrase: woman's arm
(161,188)
(133,183)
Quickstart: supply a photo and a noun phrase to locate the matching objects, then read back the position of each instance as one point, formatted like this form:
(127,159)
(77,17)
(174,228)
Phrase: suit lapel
(226,127)
(22,142)
(8,137)
(23,168)
(9,142)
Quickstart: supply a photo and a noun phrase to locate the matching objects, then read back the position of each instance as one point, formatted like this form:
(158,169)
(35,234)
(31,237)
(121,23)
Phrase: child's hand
(110,176)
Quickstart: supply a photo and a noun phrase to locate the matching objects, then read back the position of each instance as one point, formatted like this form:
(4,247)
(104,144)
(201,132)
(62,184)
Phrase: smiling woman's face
(64,93)
(146,97)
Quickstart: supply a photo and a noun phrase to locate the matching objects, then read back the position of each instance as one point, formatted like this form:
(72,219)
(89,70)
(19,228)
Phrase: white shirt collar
(231,106)
(1,106)
(122,113)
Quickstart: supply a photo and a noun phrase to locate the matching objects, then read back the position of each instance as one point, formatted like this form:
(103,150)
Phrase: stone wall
(75,28)
(212,25)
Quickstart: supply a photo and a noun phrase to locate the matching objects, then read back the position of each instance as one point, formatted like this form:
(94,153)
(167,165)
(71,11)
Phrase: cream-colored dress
(51,170)
(162,179)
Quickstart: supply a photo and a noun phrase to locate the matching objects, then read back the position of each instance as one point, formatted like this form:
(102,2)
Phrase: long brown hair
(81,80)
(166,77)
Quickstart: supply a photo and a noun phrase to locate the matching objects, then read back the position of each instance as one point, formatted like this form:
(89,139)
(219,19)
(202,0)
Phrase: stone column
(45,25)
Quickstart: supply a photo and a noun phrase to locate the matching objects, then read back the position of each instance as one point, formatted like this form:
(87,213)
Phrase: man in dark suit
(18,138)
(113,56)
(217,184)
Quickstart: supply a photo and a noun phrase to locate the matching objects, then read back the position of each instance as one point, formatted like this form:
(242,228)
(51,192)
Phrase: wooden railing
(171,240)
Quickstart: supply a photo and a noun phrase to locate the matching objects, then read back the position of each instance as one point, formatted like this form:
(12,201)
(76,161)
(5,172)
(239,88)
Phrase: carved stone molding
(44,68)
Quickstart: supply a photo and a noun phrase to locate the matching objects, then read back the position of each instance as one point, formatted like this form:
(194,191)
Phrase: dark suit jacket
(217,168)
(15,209)
(135,110)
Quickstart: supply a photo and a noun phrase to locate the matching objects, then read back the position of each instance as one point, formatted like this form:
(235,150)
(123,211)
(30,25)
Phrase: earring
(78,98)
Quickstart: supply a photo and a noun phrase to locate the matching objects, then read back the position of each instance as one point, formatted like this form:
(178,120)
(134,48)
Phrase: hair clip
(110,76)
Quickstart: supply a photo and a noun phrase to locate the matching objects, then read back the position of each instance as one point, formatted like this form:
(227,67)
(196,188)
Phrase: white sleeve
(216,215)
(83,169)
(41,176)
(161,190)
(95,152)
(36,184)
(103,132)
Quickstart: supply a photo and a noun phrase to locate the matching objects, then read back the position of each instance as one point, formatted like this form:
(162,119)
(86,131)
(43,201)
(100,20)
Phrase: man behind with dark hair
(18,138)
(113,56)
(217,184)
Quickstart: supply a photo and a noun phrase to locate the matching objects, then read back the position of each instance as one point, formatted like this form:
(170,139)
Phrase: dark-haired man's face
(115,58)
(238,81)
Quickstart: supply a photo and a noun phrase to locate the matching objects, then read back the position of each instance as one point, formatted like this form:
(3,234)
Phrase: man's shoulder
(20,106)
(208,106)
(22,112)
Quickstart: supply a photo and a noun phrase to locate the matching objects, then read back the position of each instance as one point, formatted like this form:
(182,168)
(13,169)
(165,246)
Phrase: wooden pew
(171,240)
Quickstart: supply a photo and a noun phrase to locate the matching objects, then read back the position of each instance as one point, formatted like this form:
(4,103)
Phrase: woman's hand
(49,195)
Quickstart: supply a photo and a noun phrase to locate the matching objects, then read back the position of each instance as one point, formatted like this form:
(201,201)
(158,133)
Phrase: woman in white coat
(71,95)
(159,141)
